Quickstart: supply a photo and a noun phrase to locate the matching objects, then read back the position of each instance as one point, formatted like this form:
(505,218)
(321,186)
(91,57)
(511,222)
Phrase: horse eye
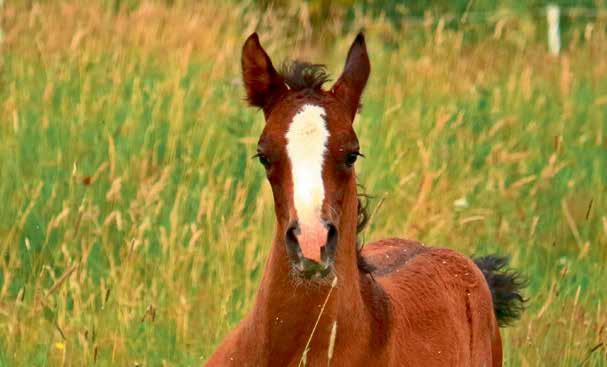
(351,158)
(262,159)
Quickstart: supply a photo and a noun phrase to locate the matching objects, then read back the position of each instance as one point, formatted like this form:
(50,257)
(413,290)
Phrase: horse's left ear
(350,85)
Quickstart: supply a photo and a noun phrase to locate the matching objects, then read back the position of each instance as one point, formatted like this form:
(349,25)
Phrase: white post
(1,33)
(554,33)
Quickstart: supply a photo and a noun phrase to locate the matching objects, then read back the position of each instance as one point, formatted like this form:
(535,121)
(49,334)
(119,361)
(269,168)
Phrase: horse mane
(363,215)
(362,220)
(300,75)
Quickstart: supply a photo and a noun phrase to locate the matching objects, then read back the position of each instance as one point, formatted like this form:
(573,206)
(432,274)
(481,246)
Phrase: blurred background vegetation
(134,225)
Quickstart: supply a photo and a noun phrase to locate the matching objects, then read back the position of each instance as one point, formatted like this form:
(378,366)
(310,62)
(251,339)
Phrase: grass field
(134,227)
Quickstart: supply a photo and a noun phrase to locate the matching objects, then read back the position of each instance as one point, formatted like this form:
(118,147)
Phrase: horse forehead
(307,138)
(308,122)
(315,117)
(305,121)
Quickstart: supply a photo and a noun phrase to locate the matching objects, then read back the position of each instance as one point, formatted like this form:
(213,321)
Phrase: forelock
(299,75)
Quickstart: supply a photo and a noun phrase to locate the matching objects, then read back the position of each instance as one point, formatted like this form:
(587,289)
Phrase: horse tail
(505,285)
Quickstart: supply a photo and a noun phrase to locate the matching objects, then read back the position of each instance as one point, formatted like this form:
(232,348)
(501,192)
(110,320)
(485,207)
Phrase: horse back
(442,310)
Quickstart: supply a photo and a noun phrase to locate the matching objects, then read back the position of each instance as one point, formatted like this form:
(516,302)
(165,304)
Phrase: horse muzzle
(311,249)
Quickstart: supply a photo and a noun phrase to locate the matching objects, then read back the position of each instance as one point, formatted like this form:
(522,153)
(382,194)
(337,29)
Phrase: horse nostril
(331,233)
(328,250)
(293,249)
(293,231)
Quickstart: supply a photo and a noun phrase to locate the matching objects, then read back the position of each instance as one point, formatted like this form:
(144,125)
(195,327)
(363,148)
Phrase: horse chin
(312,271)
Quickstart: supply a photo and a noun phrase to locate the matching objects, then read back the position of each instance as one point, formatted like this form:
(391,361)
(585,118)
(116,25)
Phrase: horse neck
(289,306)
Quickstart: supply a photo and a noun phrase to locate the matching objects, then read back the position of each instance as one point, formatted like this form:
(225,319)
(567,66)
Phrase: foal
(321,301)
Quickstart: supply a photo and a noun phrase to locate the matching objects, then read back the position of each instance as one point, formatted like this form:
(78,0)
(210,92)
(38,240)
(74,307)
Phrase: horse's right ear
(262,82)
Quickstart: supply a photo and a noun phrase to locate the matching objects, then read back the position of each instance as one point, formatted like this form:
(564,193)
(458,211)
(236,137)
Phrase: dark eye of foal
(262,159)
(351,158)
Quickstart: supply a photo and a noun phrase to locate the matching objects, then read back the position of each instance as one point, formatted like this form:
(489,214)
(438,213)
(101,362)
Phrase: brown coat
(394,303)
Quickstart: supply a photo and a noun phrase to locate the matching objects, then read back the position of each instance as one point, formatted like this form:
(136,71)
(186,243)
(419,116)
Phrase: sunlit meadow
(134,225)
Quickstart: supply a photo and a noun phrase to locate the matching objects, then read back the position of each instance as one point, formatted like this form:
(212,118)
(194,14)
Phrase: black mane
(362,221)
(299,75)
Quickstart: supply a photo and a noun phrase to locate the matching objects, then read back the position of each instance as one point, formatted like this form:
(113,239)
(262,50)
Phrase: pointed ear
(261,81)
(350,85)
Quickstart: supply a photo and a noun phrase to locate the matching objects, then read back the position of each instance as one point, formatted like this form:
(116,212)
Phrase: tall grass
(134,227)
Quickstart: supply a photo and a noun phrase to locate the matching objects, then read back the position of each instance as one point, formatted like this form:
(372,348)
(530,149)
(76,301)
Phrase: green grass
(134,227)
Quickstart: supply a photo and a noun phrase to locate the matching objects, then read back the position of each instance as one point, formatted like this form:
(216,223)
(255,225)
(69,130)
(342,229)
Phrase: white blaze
(306,146)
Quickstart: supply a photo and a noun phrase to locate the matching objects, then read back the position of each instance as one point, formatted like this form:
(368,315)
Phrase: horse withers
(322,299)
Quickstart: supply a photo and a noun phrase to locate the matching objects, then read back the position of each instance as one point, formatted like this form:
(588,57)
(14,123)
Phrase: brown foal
(322,301)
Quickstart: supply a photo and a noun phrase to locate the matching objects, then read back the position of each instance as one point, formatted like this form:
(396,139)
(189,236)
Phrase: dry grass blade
(304,355)
(61,280)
